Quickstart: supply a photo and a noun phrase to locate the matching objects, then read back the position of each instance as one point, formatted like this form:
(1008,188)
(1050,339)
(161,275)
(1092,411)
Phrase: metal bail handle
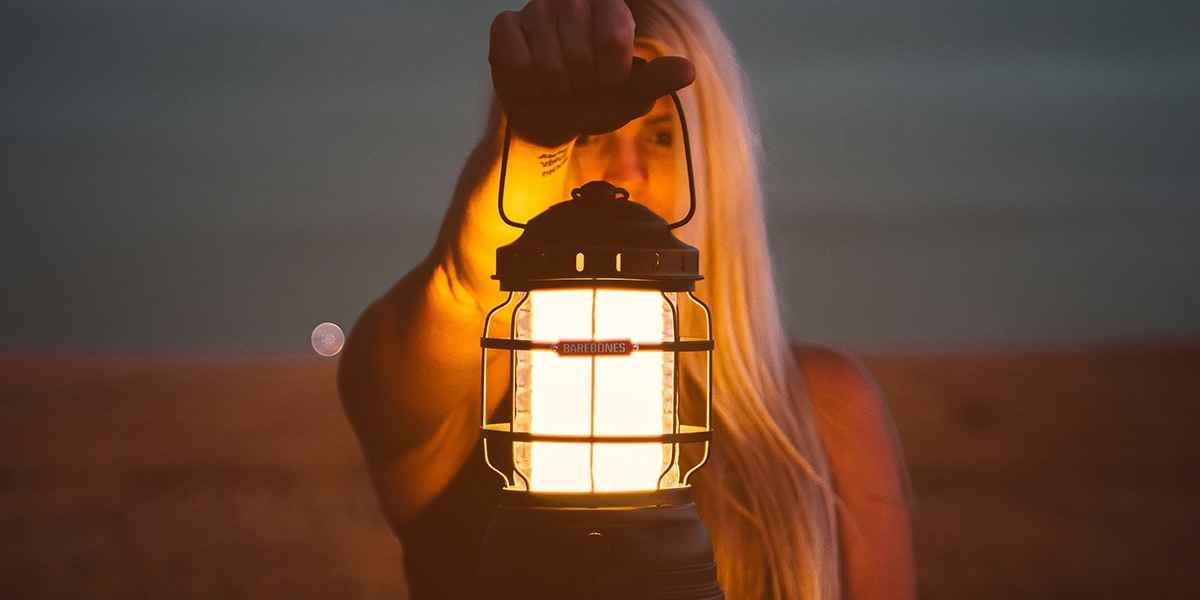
(687,157)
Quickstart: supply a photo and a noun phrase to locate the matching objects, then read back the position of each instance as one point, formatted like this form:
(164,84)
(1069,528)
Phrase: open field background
(1045,473)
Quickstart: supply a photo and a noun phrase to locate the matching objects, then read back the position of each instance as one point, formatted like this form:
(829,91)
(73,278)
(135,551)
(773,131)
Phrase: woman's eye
(583,140)
(664,138)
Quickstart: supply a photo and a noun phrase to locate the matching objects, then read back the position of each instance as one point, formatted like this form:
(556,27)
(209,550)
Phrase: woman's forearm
(409,374)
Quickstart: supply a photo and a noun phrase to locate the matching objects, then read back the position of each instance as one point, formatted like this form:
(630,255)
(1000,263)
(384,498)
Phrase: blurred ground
(1052,474)
(1036,474)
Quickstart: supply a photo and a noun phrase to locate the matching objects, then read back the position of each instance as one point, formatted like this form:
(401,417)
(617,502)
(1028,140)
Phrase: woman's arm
(868,476)
(409,374)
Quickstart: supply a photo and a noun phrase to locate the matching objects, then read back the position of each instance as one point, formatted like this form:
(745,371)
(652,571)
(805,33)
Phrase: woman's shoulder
(851,412)
(837,381)
(856,430)
(852,418)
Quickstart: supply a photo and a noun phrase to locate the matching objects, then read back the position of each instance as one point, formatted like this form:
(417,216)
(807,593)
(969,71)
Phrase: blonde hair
(766,492)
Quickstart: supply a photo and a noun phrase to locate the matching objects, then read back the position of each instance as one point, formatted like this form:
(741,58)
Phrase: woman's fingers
(661,76)
(562,47)
(612,40)
(540,24)
(513,72)
(610,110)
(575,36)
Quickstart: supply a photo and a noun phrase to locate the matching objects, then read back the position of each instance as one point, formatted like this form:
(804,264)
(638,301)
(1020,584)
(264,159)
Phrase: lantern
(596,502)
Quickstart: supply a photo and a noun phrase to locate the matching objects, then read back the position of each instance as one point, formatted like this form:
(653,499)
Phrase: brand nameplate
(594,347)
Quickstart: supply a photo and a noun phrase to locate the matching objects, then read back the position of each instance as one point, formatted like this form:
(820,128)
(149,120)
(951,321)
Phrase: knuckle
(521,68)
(535,9)
(552,68)
(505,58)
(623,21)
(614,41)
(505,21)
(576,7)
(513,65)
(579,57)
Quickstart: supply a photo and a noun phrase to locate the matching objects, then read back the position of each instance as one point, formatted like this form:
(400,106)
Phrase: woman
(804,493)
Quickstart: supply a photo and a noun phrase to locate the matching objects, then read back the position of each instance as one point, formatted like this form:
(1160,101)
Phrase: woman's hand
(563,68)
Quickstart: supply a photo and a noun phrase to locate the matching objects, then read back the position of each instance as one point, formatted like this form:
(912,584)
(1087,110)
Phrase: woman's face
(641,157)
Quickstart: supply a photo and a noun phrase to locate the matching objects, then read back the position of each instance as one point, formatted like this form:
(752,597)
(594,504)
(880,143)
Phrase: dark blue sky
(227,175)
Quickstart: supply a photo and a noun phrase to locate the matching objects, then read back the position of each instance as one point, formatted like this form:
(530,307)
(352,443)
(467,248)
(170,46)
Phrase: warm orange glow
(600,395)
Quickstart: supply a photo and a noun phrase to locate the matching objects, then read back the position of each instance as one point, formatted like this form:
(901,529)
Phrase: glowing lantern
(596,502)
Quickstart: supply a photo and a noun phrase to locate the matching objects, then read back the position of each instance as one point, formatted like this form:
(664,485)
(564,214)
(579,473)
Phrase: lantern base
(542,550)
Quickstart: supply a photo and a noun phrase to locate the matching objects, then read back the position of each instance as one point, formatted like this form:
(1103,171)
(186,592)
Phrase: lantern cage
(601,314)
(597,413)
(595,338)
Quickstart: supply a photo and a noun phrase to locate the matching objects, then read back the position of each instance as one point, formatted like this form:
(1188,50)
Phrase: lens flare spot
(327,339)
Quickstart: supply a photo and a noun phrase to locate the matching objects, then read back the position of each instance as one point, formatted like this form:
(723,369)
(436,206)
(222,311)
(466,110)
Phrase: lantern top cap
(600,234)
(599,190)
(599,215)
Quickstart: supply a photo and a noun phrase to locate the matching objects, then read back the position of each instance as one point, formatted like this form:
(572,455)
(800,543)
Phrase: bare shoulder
(851,412)
(857,432)
(855,427)
(838,383)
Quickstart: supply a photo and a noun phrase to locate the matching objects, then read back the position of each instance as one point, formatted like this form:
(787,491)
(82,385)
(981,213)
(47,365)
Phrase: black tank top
(441,547)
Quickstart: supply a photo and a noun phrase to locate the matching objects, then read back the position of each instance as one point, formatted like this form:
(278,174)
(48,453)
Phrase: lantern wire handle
(504,172)
(687,156)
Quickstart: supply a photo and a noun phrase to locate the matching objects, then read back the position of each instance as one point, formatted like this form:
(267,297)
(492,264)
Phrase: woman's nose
(625,167)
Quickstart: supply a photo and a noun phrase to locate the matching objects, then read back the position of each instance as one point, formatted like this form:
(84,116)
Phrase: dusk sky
(225,175)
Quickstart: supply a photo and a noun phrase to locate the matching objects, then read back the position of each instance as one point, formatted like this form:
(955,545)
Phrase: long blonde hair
(766,493)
